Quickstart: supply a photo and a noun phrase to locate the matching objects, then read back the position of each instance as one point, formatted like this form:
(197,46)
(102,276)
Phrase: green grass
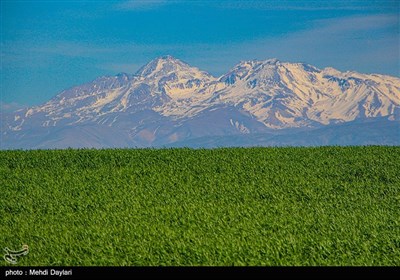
(256,206)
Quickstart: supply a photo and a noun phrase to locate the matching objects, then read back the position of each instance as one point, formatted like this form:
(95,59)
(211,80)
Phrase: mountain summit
(169,103)
(162,66)
(173,77)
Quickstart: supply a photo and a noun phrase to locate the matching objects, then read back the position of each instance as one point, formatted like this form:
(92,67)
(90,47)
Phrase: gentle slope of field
(256,206)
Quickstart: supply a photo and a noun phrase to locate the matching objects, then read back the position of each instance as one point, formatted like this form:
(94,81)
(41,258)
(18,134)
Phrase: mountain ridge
(168,101)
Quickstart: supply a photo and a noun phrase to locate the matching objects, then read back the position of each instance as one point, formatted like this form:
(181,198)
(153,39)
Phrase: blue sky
(48,46)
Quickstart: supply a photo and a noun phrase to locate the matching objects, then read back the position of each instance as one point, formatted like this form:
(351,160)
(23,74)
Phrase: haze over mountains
(257,103)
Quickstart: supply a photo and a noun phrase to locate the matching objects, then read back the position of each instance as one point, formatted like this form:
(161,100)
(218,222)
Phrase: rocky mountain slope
(167,101)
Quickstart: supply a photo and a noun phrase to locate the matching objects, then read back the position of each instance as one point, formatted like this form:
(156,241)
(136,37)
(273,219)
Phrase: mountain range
(168,103)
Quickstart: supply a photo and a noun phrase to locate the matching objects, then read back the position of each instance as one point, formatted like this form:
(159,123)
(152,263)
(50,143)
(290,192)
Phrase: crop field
(182,207)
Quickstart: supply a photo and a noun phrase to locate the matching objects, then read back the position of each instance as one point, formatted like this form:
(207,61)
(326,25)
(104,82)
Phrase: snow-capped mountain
(167,101)
(283,95)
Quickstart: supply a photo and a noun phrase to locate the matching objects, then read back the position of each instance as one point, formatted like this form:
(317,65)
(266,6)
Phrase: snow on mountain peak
(174,77)
(331,71)
(251,68)
(162,65)
(253,96)
(271,61)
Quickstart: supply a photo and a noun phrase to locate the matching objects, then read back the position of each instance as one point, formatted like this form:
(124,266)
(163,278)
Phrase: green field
(230,206)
